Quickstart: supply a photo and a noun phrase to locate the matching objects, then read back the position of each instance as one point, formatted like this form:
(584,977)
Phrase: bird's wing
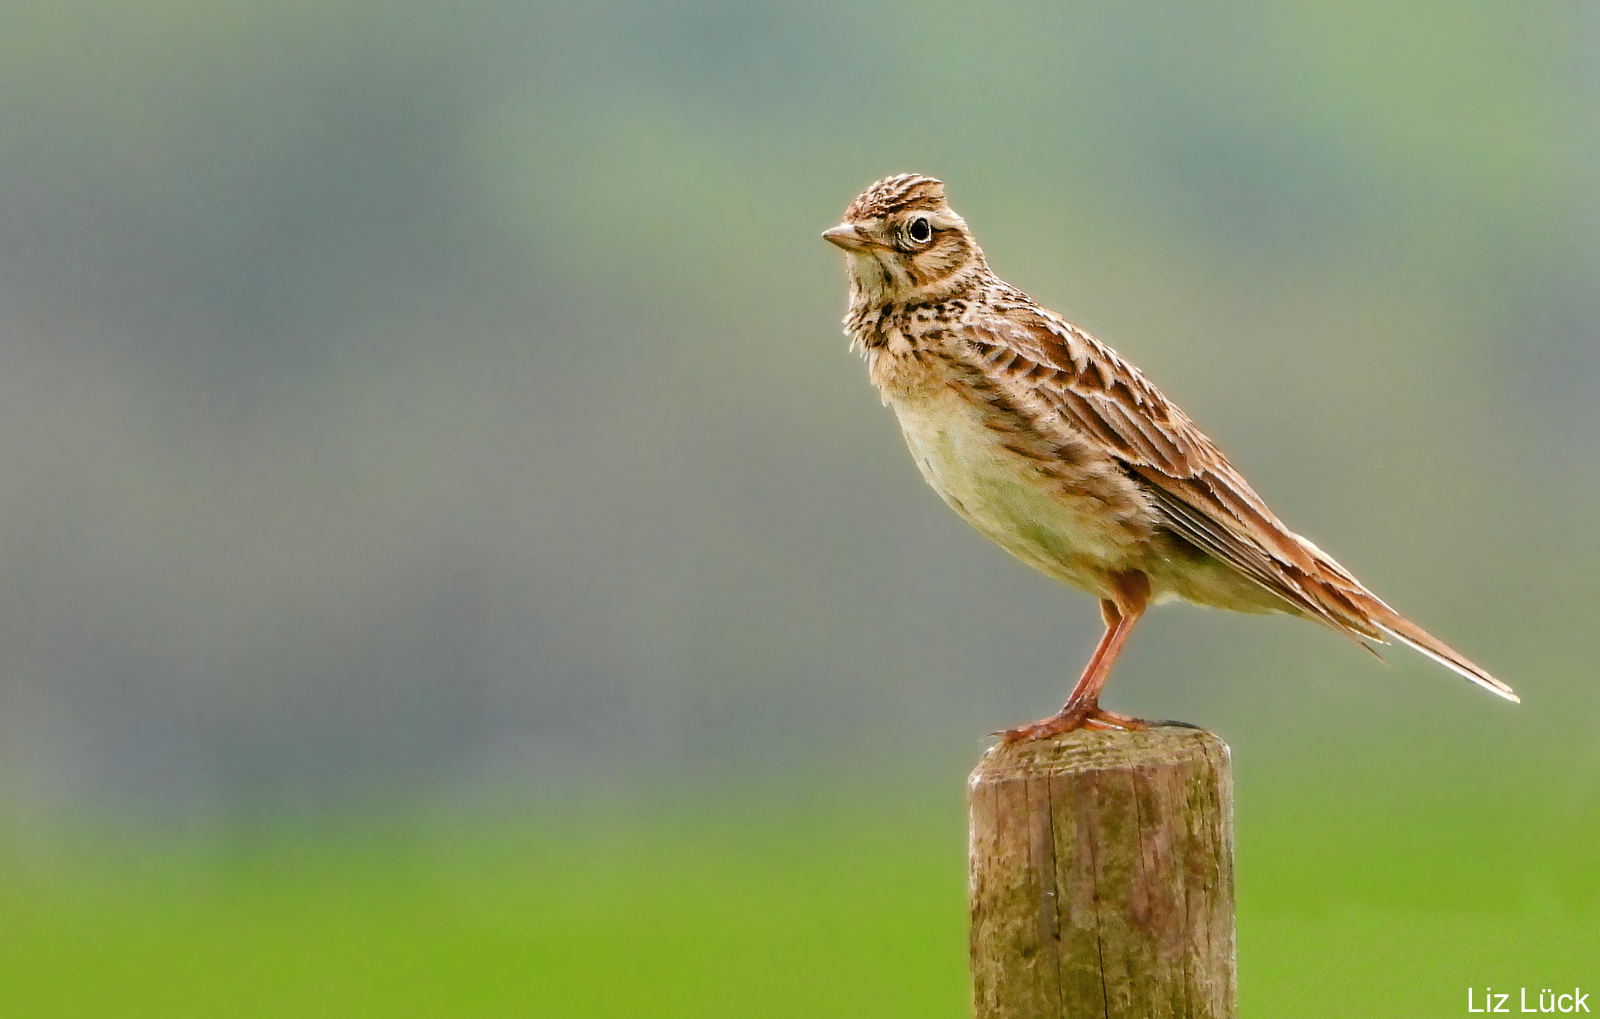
(1063,371)
(1056,370)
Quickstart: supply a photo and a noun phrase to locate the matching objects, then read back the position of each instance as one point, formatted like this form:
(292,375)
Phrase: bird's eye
(919,230)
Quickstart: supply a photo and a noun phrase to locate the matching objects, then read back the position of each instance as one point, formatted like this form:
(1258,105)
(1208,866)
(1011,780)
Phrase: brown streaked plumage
(1048,442)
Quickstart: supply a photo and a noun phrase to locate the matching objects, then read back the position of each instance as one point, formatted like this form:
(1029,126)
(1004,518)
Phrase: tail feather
(1415,637)
(1361,613)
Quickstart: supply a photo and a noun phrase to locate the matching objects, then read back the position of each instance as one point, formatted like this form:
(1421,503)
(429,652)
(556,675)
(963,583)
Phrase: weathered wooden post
(1101,877)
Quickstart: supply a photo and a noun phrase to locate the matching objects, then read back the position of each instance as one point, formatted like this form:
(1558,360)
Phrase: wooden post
(1101,877)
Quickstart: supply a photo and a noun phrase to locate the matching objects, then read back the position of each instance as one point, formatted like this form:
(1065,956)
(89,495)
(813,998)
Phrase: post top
(1097,750)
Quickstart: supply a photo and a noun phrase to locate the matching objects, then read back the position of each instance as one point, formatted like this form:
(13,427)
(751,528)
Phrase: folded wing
(1061,371)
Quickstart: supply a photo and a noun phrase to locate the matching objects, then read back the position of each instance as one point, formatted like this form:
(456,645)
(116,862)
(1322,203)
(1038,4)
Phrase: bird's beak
(847,237)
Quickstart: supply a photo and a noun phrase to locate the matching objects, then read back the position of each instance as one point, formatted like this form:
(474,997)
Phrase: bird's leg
(1130,592)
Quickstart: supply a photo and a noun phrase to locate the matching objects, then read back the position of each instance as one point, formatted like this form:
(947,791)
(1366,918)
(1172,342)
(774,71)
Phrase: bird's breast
(1049,499)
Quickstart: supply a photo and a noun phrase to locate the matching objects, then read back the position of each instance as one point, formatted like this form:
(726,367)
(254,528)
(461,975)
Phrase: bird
(1058,449)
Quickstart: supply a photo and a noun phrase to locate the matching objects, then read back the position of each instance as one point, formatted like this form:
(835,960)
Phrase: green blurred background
(452,566)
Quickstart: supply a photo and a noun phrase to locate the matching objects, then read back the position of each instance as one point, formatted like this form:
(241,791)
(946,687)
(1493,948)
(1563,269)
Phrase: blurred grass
(697,916)
(773,910)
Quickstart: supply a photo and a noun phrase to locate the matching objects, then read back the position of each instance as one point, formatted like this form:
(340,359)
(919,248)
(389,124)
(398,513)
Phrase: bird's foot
(1073,717)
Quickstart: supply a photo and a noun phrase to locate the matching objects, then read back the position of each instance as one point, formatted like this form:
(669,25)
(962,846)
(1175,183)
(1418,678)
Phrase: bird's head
(904,244)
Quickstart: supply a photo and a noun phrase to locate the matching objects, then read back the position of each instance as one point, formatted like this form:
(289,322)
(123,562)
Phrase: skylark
(1052,445)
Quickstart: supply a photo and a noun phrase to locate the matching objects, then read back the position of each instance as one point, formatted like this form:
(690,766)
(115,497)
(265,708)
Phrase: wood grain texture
(1101,877)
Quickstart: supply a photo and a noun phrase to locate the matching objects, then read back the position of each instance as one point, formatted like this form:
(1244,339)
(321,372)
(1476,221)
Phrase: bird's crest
(896,194)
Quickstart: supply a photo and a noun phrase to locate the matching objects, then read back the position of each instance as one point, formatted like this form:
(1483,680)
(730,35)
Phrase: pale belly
(1077,516)
(1076,522)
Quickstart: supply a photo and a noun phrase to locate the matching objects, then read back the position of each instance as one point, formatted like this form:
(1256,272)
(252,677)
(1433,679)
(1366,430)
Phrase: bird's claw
(1071,718)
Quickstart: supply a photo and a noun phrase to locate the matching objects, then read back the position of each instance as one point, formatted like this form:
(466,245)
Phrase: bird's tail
(1360,613)
(1418,639)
